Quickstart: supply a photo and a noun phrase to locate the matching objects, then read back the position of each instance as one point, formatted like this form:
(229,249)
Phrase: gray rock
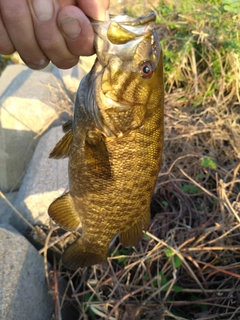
(30,102)
(45,180)
(5,209)
(71,78)
(86,63)
(9,73)
(23,290)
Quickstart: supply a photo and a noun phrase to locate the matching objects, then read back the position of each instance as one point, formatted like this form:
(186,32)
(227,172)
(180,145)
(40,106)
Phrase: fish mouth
(121,35)
(123,29)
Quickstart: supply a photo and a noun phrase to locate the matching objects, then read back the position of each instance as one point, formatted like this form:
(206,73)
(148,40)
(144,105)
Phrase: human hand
(49,30)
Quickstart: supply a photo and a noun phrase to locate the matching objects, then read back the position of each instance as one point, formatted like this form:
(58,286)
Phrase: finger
(70,18)
(18,23)
(77,30)
(6,46)
(64,3)
(49,37)
(94,8)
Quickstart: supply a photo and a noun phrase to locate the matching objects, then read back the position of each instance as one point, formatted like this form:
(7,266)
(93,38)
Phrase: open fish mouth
(121,35)
(123,29)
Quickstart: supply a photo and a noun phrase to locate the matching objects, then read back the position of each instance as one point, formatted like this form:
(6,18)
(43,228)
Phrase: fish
(114,142)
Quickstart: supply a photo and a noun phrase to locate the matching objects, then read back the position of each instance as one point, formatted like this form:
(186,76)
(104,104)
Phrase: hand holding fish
(49,30)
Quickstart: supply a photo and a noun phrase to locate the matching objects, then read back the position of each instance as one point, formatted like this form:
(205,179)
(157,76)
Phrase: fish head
(130,71)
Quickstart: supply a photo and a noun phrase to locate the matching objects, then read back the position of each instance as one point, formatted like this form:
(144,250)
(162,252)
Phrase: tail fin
(78,255)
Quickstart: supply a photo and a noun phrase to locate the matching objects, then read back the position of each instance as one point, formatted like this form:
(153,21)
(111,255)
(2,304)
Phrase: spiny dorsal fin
(63,213)
(78,255)
(63,147)
(132,235)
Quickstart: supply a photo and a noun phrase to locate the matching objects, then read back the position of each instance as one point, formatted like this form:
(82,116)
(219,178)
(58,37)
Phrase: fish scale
(115,141)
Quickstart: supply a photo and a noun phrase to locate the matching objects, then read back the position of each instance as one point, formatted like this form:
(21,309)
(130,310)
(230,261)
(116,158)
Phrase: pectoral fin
(63,213)
(132,235)
(77,255)
(63,147)
(97,156)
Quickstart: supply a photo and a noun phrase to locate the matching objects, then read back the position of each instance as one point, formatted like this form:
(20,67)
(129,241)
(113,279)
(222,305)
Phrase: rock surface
(86,63)
(71,78)
(30,102)
(5,209)
(45,180)
(23,290)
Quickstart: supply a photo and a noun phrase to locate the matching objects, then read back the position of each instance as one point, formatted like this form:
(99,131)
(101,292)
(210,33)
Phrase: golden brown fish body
(115,143)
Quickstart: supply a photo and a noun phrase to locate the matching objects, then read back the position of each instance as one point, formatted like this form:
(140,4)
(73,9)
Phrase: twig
(17,212)
(129,295)
(54,242)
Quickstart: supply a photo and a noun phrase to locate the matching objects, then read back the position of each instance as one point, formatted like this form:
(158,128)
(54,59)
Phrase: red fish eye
(146,69)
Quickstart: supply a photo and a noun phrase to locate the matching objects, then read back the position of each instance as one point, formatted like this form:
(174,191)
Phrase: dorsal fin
(63,147)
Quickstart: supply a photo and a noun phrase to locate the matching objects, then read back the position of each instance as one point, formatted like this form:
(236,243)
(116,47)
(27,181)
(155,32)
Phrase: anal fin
(63,147)
(78,255)
(146,220)
(131,236)
(63,213)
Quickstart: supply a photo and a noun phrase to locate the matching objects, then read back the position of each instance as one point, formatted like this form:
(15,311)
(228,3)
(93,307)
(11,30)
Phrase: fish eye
(146,69)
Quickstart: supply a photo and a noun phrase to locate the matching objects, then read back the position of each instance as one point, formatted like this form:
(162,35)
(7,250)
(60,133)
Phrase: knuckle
(46,46)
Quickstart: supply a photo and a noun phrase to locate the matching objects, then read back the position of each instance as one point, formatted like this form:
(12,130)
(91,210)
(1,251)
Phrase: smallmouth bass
(114,142)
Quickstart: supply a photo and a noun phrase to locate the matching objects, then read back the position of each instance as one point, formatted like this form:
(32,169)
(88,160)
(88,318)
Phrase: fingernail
(37,65)
(71,28)
(43,9)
